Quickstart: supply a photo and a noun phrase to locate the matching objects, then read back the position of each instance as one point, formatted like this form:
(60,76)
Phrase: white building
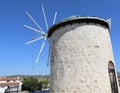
(10,84)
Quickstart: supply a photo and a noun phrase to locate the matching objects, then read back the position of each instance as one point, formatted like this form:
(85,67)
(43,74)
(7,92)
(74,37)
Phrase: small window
(112,75)
(8,81)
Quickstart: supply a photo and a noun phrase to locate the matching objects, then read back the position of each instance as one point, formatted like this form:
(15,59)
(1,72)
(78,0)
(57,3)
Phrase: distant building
(10,84)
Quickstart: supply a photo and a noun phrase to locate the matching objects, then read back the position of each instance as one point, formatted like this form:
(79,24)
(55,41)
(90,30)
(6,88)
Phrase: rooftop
(9,84)
(8,78)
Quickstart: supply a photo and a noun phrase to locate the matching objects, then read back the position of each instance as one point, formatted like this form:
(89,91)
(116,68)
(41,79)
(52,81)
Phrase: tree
(30,84)
(40,86)
(45,83)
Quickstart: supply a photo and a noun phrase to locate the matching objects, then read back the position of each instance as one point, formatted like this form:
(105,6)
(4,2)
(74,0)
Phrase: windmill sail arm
(54,17)
(43,34)
(44,17)
(35,29)
(34,21)
(40,50)
(35,40)
(49,53)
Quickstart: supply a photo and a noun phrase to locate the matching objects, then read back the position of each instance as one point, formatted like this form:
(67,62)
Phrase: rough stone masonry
(81,54)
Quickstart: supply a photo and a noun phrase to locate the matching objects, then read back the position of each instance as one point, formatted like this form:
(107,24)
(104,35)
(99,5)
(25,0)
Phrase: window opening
(112,76)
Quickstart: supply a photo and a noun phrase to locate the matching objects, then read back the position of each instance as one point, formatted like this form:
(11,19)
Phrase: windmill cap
(79,19)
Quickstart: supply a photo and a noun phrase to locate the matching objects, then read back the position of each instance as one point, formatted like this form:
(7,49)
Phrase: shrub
(30,84)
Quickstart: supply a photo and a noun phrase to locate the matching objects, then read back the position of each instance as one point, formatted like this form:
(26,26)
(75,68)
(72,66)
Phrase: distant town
(16,83)
(24,83)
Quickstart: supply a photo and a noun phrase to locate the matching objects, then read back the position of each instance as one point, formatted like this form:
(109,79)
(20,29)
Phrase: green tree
(40,86)
(30,84)
(45,83)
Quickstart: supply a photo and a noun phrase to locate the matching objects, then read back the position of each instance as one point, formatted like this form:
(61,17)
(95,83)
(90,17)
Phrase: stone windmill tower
(82,58)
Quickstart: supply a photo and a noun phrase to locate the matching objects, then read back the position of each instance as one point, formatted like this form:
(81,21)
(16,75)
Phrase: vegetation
(45,84)
(32,84)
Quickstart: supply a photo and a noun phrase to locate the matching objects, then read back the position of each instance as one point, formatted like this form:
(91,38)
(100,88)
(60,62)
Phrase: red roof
(8,78)
(9,84)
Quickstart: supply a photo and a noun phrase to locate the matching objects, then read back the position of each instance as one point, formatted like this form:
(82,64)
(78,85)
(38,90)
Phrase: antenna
(32,63)
(43,35)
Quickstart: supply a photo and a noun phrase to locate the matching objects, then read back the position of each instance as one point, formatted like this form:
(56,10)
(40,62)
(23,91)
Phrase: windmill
(43,34)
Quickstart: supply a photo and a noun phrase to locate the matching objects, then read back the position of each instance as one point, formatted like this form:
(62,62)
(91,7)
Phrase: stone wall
(80,57)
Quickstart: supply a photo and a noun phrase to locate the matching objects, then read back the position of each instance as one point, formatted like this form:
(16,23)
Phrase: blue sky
(18,58)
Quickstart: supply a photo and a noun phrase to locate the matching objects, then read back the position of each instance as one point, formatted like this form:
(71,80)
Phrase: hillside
(39,77)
